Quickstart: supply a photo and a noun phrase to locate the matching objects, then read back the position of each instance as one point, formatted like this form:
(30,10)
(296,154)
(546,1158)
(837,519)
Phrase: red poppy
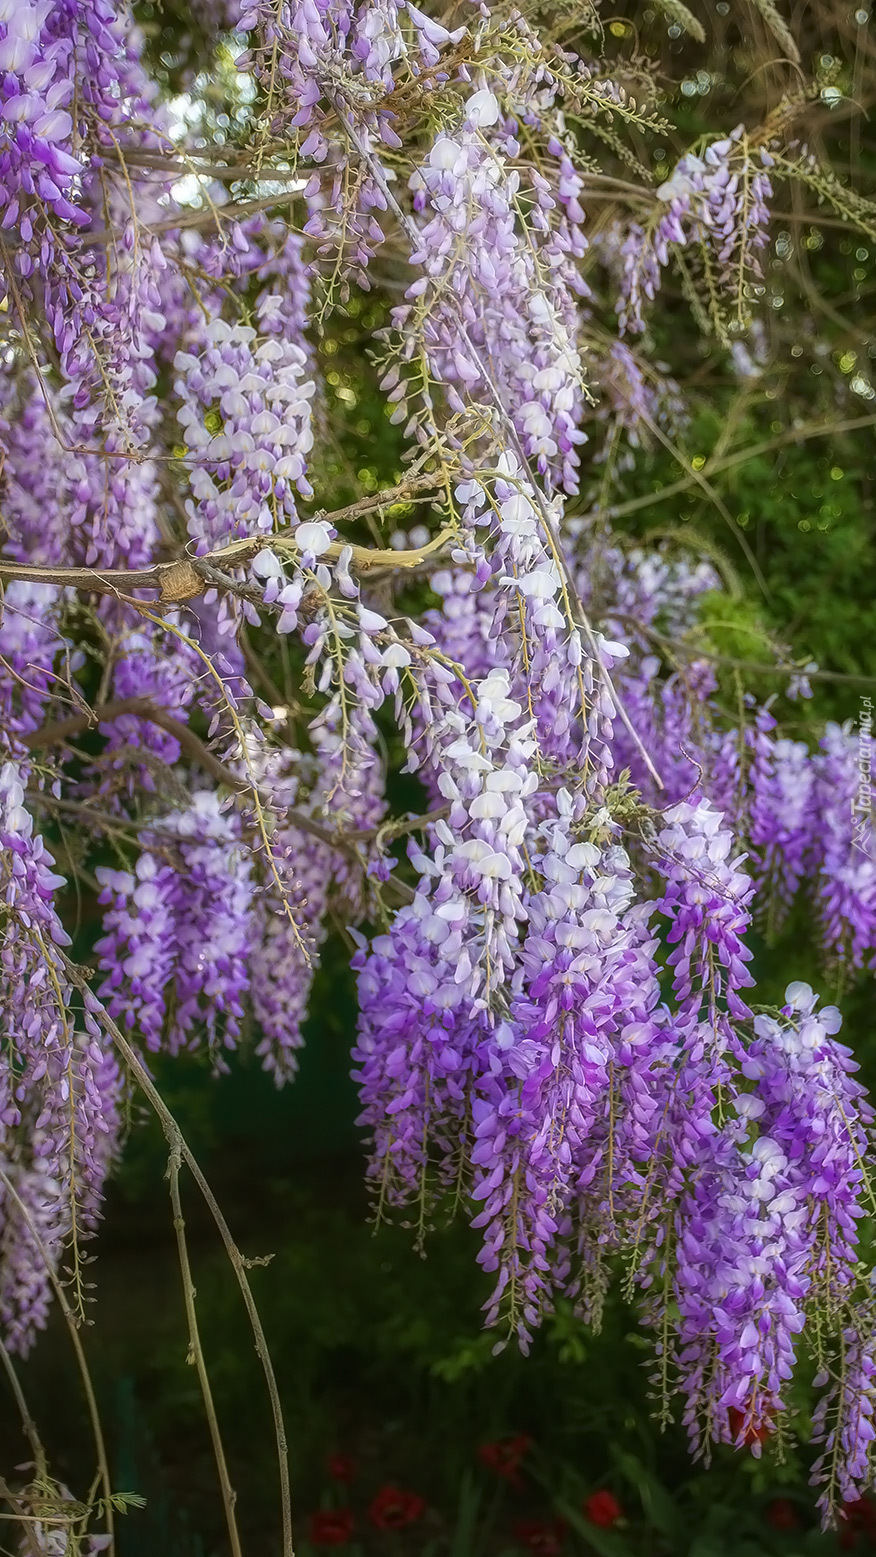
(395,1509)
(756,1432)
(331,1526)
(859,1520)
(504,1457)
(341,1467)
(545,1537)
(782,1515)
(861,1514)
(603,1508)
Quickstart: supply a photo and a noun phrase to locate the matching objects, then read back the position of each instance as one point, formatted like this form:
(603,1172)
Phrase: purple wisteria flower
(781,820)
(842,847)
(250,460)
(59,1086)
(30,645)
(720,201)
(557,1025)
(542,1109)
(427,988)
(707,899)
(178,931)
(504,311)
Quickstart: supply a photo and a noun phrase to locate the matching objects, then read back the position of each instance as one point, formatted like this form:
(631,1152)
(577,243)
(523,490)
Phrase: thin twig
(239,1265)
(229,1496)
(753,451)
(27,1421)
(62,730)
(701,479)
(79,1351)
(690,651)
(21,1517)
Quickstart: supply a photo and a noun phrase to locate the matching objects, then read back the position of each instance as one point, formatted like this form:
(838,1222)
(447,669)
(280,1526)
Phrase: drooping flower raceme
(495,308)
(842,846)
(719,202)
(426,989)
(542,1113)
(177,931)
(782,804)
(706,899)
(246,414)
(60,1088)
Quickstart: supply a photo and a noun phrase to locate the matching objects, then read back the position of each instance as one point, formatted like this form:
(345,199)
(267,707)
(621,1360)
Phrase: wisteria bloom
(60,1113)
(177,931)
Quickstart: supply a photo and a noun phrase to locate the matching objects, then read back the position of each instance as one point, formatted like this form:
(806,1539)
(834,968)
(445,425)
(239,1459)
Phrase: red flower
(394,1509)
(505,1455)
(331,1526)
(544,1537)
(861,1514)
(341,1467)
(603,1508)
(860,1520)
(782,1515)
(756,1432)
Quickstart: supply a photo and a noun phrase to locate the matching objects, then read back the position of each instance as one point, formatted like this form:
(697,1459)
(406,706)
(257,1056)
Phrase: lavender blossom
(782,794)
(183,921)
(842,849)
(59,1087)
(499,301)
(541,1116)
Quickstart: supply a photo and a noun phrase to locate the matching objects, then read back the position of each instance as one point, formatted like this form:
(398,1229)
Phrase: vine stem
(229,1496)
(793,435)
(186,577)
(21,1517)
(79,1350)
(27,1422)
(177,1142)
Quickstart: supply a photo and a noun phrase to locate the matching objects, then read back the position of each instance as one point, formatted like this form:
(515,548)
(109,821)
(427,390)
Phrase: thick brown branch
(173,580)
(185,578)
(62,730)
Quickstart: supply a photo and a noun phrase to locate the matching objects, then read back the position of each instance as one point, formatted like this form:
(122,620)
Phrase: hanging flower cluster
(720,203)
(497,310)
(252,444)
(60,1083)
(186,919)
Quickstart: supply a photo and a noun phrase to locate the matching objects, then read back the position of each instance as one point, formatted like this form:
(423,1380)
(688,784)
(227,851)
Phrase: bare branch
(693,651)
(196,1350)
(754,450)
(184,578)
(62,730)
(178,1144)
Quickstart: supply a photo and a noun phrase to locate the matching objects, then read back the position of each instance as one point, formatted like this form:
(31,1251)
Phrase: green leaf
(658,1506)
(463,1541)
